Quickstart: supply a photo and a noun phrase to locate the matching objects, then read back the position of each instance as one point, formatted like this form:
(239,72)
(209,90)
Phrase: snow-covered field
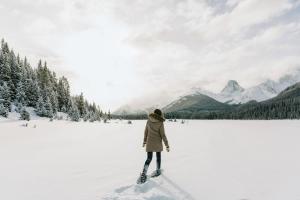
(209,160)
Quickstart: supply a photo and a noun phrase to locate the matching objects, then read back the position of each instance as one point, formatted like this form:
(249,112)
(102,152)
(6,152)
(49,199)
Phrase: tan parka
(155,134)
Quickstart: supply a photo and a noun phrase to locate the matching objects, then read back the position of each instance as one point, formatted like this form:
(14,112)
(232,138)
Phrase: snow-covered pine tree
(32,91)
(3,110)
(5,96)
(15,72)
(80,105)
(87,116)
(5,69)
(109,115)
(93,117)
(21,95)
(24,114)
(63,95)
(40,107)
(54,101)
(74,112)
(48,108)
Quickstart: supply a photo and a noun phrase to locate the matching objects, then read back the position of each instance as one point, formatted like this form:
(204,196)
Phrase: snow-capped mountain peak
(232,87)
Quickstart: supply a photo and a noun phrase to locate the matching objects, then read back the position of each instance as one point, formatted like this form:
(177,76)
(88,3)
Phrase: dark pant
(149,159)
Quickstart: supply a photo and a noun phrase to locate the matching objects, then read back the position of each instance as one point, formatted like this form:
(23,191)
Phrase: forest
(23,86)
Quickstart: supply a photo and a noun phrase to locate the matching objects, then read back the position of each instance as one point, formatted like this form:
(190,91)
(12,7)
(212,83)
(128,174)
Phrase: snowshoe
(156,173)
(142,179)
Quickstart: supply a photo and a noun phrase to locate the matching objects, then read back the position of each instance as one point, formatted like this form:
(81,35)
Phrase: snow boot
(156,173)
(143,176)
(142,179)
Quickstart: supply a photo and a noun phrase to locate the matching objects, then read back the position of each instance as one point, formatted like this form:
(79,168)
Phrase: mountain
(233,93)
(195,103)
(286,105)
(261,92)
(231,88)
(291,92)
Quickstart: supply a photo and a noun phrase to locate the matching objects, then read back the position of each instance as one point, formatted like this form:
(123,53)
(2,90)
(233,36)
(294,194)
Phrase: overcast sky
(147,52)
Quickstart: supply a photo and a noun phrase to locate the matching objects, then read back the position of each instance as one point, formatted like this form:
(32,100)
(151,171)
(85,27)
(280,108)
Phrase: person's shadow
(168,188)
(184,194)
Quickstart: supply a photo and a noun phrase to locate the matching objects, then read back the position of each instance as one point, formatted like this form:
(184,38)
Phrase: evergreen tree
(21,96)
(81,104)
(15,70)
(3,110)
(5,68)
(74,112)
(24,115)
(48,108)
(5,96)
(4,65)
(109,115)
(86,117)
(54,101)
(63,94)
(40,107)
(32,91)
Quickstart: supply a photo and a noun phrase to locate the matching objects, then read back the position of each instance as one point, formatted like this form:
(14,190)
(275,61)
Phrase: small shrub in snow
(25,125)
(58,117)
(24,115)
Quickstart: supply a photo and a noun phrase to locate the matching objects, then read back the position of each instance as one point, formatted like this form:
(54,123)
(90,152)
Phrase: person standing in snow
(153,136)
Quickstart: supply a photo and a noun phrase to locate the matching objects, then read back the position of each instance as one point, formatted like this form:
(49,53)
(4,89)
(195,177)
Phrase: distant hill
(195,106)
(195,103)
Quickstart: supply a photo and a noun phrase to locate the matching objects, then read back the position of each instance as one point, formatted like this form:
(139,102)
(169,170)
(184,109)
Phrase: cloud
(148,52)
(184,42)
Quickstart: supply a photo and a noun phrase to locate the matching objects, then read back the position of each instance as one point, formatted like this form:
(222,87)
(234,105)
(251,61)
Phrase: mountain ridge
(286,105)
(233,93)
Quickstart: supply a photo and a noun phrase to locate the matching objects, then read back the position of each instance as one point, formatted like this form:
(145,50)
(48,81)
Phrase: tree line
(23,86)
(280,109)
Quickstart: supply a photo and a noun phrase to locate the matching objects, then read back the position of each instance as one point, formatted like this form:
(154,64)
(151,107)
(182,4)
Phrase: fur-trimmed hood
(155,117)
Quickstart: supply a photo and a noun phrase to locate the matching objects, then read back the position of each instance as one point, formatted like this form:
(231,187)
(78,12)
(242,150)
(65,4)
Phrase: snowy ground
(209,160)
